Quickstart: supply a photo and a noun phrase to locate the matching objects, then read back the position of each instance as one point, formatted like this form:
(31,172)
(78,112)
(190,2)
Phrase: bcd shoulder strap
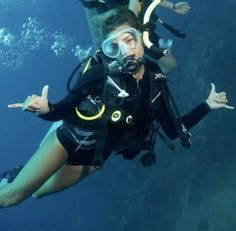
(103,121)
(170,104)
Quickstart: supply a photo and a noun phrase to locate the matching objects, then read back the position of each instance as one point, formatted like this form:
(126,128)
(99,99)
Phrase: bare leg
(46,161)
(65,177)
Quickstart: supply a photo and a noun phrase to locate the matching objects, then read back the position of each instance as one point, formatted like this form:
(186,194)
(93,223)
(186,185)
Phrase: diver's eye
(114,46)
(130,41)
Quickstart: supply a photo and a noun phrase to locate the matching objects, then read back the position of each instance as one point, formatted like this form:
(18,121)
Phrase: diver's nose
(123,49)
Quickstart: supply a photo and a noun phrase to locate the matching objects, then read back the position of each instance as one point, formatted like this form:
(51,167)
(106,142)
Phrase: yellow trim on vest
(89,118)
(89,62)
(87,65)
(100,113)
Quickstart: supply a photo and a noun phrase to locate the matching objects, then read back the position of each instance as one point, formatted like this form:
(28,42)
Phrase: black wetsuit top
(137,105)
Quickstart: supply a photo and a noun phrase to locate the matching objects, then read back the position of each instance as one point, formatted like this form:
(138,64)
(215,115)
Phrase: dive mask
(116,49)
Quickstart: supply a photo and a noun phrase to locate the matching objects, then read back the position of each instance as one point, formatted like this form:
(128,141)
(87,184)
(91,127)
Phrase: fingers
(185,4)
(31,104)
(221,100)
(26,102)
(33,107)
(222,94)
(213,88)
(182,8)
(15,105)
(27,105)
(45,92)
(220,97)
(228,107)
(20,105)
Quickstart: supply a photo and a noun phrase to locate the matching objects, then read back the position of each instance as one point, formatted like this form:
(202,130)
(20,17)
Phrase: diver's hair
(114,18)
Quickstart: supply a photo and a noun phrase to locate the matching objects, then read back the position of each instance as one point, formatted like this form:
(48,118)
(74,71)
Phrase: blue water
(188,190)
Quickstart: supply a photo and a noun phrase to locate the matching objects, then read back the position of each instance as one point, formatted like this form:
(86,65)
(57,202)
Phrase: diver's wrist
(208,104)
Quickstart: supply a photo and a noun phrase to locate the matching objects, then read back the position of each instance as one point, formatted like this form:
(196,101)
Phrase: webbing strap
(100,142)
(183,133)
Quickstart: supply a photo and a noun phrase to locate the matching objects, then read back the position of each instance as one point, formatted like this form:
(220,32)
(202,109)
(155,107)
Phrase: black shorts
(79,144)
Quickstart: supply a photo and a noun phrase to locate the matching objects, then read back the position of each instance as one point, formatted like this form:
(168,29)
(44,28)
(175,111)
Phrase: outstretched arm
(214,101)
(179,7)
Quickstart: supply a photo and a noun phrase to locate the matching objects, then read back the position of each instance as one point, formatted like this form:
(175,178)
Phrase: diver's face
(122,42)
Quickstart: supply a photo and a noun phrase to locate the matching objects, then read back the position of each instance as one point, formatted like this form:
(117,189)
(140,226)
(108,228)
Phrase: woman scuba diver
(128,101)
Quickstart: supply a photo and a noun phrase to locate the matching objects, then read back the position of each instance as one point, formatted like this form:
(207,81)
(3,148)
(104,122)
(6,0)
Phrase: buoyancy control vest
(97,111)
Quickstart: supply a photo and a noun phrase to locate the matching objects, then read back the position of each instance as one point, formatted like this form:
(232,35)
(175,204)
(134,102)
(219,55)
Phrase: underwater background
(188,190)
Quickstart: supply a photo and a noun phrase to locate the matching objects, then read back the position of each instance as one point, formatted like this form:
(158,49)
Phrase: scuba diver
(139,7)
(110,109)
(93,7)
